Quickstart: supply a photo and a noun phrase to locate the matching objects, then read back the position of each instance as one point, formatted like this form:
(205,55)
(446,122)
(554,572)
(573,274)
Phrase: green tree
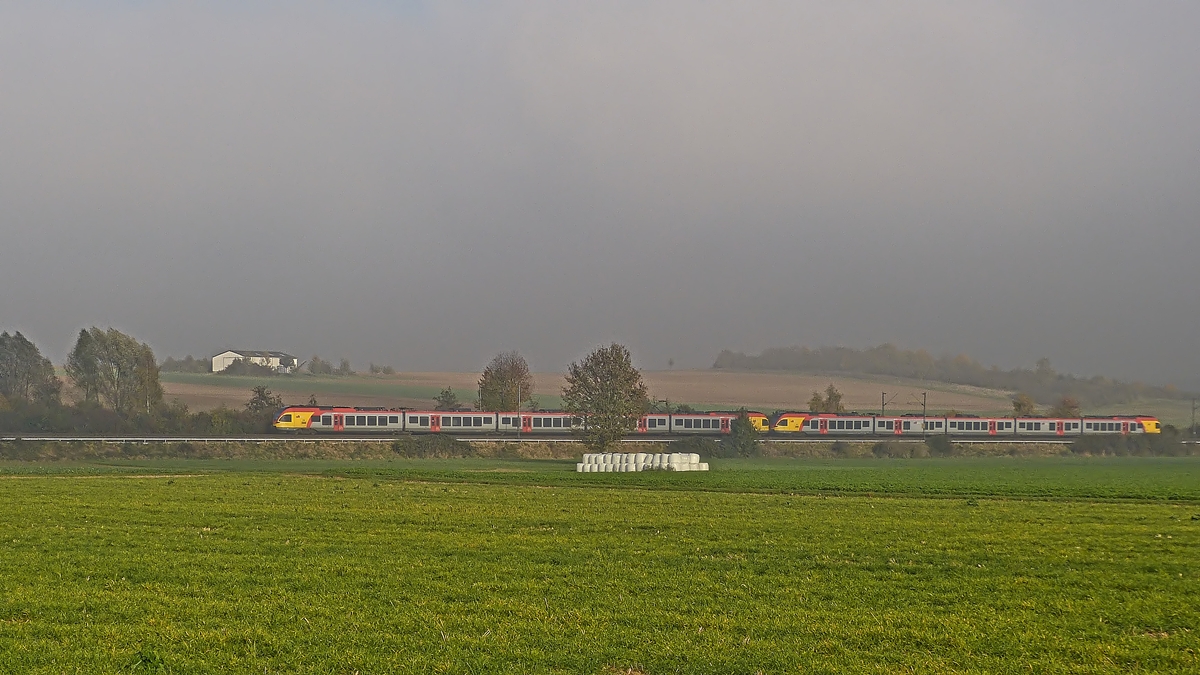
(831,402)
(506,384)
(447,400)
(1067,406)
(83,367)
(607,391)
(24,373)
(125,370)
(319,366)
(1022,405)
(344,368)
(262,401)
(743,437)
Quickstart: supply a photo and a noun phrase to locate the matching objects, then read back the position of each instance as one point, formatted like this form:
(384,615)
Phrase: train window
(652,423)
(412,419)
(938,425)
(349,420)
(1052,426)
(707,424)
(326,419)
(556,422)
(370,420)
(361,420)
(978,426)
(812,424)
(285,418)
(907,426)
(537,421)
(424,421)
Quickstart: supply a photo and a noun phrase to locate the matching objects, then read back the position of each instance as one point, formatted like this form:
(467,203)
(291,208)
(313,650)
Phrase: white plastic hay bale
(640,457)
(693,458)
(579,467)
(704,466)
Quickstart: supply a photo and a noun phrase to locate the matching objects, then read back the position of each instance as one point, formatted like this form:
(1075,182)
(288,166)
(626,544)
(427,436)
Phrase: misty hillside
(1042,383)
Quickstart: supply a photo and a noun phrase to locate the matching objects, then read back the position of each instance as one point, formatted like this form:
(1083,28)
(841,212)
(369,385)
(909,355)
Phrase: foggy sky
(424,185)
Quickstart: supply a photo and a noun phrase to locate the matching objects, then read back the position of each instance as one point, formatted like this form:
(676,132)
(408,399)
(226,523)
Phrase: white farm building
(280,361)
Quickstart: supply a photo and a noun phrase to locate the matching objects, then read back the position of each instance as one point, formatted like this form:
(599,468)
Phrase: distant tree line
(1042,383)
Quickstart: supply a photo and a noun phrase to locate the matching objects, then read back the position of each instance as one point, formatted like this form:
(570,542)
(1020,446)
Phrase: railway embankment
(435,447)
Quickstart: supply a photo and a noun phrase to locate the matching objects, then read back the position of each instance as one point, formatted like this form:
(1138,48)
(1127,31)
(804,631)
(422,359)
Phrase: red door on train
(435,423)
(338,423)
(992,427)
(824,425)
(527,423)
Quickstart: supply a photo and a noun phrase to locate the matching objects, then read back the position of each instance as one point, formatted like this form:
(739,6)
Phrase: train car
(962,425)
(654,423)
(702,423)
(332,418)
(1120,424)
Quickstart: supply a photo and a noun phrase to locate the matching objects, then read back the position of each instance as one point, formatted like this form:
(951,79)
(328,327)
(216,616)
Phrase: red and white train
(382,421)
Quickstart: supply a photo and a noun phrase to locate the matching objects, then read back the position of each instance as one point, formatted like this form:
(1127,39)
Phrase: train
(355,420)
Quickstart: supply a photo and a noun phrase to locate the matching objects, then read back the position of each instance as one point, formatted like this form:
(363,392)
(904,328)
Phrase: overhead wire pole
(924,397)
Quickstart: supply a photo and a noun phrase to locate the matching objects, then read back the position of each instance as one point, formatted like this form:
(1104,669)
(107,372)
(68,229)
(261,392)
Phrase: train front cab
(760,422)
(292,419)
(790,423)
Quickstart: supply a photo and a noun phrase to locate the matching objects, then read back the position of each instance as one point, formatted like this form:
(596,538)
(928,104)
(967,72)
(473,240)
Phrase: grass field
(471,566)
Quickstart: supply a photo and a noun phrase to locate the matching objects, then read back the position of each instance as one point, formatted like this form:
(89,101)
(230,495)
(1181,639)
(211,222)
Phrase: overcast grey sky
(425,184)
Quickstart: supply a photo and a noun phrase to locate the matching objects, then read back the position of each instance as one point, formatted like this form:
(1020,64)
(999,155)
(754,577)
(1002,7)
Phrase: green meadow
(482,566)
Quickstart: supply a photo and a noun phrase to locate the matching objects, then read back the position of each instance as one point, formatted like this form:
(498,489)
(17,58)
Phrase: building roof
(249,353)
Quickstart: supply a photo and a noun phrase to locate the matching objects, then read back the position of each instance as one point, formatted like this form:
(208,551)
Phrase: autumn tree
(831,402)
(506,384)
(1023,405)
(1067,406)
(24,373)
(447,400)
(607,391)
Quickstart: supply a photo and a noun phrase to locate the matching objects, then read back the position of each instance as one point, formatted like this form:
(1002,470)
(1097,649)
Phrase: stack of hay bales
(619,462)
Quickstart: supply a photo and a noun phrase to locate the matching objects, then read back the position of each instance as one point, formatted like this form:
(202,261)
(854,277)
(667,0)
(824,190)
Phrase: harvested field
(702,388)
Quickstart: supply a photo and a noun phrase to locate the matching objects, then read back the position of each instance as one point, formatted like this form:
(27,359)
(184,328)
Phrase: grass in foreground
(252,571)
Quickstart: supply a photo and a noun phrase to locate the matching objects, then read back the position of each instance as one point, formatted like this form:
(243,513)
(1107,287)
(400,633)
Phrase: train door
(641,427)
(899,428)
(992,427)
(824,426)
(338,423)
(1124,427)
(724,425)
(435,423)
(527,423)
(1062,428)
